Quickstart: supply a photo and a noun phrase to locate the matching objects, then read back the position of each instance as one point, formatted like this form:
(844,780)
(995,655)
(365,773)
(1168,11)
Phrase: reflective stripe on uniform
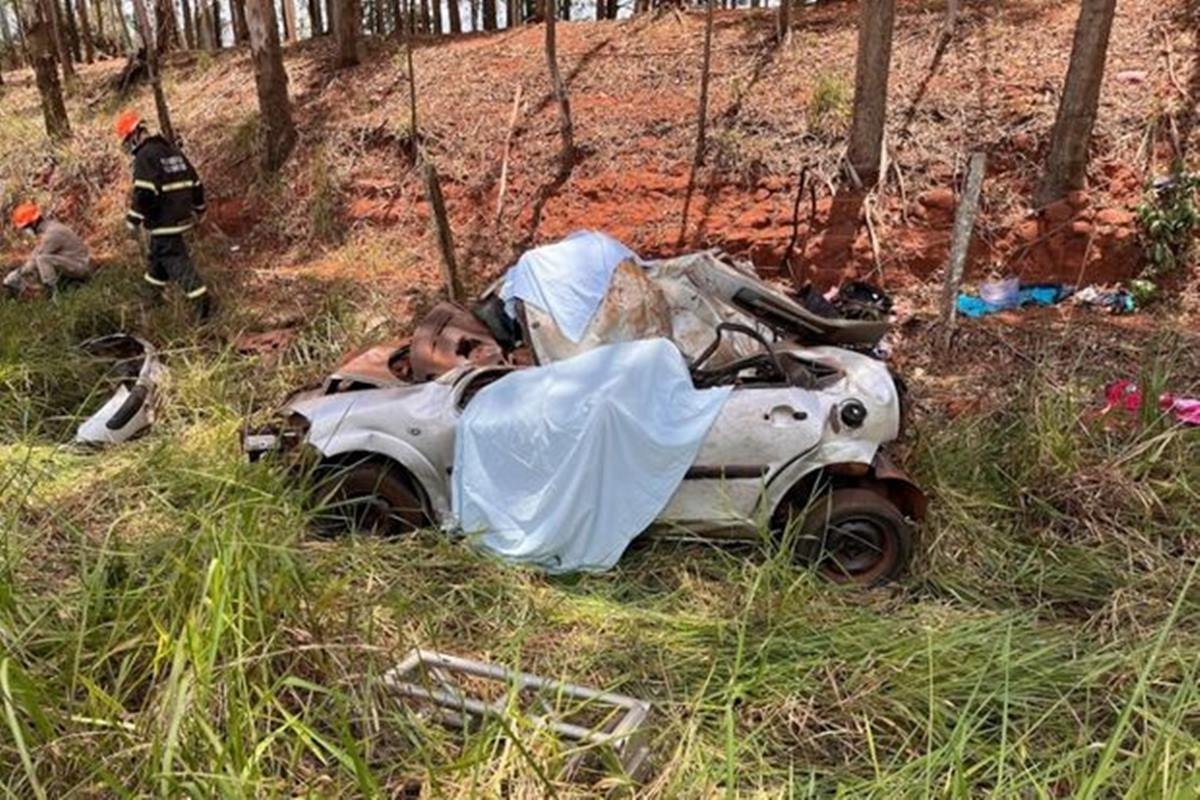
(134,215)
(177,185)
(197,293)
(153,281)
(170,231)
(139,184)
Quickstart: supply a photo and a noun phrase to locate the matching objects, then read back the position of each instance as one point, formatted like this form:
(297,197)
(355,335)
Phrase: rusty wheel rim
(858,549)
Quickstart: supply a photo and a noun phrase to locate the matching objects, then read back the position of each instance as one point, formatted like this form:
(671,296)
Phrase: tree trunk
(277,133)
(166,32)
(474,15)
(960,242)
(160,99)
(50,12)
(314,16)
(240,34)
(98,20)
(85,33)
(189,30)
(216,24)
(345,28)
(784,22)
(455,14)
(564,9)
(397,17)
(54,113)
(1066,163)
(489,15)
(204,26)
(122,25)
(6,37)
(441,227)
(435,8)
(289,20)
(870,87)
(68,14)
(701,118)
(565,127)
(425,16)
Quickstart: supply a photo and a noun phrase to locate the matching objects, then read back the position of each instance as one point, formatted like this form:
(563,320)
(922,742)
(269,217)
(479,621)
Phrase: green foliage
(171,629)
(1169,220)
(829,107)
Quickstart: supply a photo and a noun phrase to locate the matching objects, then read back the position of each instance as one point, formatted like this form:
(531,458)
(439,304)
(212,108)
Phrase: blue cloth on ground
(561,466)
(1038,294)
(567,279)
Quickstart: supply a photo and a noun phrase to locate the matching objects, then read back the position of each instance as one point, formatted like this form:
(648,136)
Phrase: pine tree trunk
(701,118)
(277,133)
(160,100)
(489,15)
(612,9)
(784,22)
(1067,161)
(565,10)
(189,31)
(397,17)
(68,14)
(167,35)
(6,37)
(875,24)
(52,15)
(435,7)
(289,21)
(216,24)
(238,9)
(474,15)
(565,128)
(345,28)
(455,14)
(122,25)
(85,33)
(41,53)
(314,16)
(98,20)
(204,26)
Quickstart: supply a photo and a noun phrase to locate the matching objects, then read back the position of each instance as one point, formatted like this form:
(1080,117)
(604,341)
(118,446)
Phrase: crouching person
(59,257)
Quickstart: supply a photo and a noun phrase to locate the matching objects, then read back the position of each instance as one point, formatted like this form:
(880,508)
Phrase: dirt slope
(349,206)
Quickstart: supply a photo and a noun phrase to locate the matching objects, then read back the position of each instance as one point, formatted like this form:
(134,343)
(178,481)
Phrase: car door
(760,429)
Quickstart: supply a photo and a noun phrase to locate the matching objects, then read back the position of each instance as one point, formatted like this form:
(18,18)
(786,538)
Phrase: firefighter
(166,201)
(60,256)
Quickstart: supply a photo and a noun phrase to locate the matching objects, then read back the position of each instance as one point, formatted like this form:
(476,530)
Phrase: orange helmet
(25,214)
(127,122)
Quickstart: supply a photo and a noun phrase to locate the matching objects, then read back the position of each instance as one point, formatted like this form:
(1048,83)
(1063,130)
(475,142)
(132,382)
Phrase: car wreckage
(797,448)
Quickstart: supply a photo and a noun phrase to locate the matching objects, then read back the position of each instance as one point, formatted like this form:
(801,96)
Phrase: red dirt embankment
(349,204)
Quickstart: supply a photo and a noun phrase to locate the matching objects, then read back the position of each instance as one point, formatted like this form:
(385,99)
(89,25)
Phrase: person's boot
(204,307)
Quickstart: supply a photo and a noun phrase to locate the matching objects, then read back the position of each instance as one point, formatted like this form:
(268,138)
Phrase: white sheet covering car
(796,450)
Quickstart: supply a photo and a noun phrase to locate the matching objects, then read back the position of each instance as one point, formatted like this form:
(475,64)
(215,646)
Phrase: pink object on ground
(1123,394)
(1185,409)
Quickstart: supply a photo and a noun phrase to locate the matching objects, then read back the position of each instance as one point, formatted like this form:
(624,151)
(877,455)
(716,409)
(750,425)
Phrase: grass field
(170,629)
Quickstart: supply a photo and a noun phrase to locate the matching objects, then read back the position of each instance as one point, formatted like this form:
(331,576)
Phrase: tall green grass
(168,627)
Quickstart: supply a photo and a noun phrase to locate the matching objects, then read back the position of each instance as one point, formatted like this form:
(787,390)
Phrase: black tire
(371,496)
(854,536)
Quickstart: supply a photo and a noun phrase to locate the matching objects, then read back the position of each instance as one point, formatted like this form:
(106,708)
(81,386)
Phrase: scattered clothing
(1125,395)
(59,254)
(1118,301)
(1186,410)
(561,466)
(568,279)
(1035,294)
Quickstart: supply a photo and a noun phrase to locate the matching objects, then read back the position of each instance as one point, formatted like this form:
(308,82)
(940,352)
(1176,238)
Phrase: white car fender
(382,443)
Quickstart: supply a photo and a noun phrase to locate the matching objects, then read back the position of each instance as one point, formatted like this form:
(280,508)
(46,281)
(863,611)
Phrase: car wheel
(855,536)
(369,497)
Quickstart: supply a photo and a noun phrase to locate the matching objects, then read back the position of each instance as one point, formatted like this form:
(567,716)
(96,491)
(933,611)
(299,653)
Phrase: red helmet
(25,214)
(127,122)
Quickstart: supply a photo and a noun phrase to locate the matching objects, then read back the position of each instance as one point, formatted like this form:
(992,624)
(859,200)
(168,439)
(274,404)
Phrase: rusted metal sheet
(448,337)
(380,365)
(633,309)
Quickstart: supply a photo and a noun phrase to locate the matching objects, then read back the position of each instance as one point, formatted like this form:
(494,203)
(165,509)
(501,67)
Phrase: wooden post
(441,223)
(964,224)
(512,124)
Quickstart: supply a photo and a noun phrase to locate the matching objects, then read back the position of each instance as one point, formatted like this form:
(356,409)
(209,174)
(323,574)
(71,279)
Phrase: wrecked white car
(795,450)
(128,412)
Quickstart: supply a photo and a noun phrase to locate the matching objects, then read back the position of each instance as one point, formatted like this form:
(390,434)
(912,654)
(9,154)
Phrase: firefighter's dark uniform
(167,197)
